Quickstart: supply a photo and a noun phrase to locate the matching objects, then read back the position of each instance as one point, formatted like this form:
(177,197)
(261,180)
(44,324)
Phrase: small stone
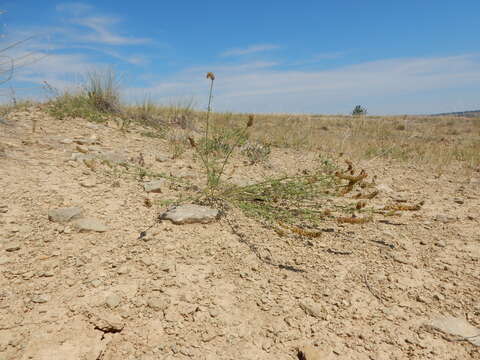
(66,141)
(441,243)
(62,215)
(112,300)
(157,303)
(384,188)
(456,327)
(96,283)
(107,322)
(82,149)
(89,183)
(154,186)
(444,218)
(12,246)
(189,214)
(90,224)
(4,260)
(123,270)
(311,308)
(40,299)
(161,158)
(458,201)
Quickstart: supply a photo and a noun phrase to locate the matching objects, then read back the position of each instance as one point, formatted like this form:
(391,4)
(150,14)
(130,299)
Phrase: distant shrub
(359,110)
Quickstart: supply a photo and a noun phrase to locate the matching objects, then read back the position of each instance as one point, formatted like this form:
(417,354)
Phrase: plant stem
(209,109)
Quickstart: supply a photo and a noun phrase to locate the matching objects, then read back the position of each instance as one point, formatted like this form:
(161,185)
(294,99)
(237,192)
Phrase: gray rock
(107,322)
(456,327)
(66,141)
(154,186)
(62,215)
(311,308)
(88,183)
(384,188)
(123,270)
(112,300)
(40,299)
(82,149)
(12,246)
(4,260)
(90,224)
(157,303)
(444,218)
(161,158)
(189,214)
(96,283)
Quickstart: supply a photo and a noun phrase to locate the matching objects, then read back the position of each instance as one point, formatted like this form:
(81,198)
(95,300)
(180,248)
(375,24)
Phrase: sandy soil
(231,289)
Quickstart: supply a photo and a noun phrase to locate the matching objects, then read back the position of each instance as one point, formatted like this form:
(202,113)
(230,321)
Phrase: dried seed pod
(402,207)
(192,142)
(300,231)
(360,205)
(354,220)
(211,76)
(367,196)
(353,179)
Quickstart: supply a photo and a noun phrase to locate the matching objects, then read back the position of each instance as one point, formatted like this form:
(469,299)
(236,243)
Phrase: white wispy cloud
(102,31)
(388,85)
(102,28)
(249,50)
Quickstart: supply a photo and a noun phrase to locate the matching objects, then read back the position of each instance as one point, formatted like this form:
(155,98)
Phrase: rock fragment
(311,308)
(189,214)
(90,224)
(62,215)
(456,327)
(154,186)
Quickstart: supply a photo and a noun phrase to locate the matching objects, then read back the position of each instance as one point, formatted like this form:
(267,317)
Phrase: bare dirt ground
(231,289)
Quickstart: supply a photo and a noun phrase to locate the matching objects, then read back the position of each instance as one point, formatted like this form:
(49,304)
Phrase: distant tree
(359,110)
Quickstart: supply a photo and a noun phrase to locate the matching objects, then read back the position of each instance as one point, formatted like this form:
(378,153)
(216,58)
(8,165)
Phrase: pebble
(123,270)
(90,224)
(444,218)
(62,215)
(154,186)
(40,299)
(4,260)
(89,183)
(112,300)
(82,149)
(161,158)
(157,303)
(456,327)
(311,308)
(189,214)
(12,246)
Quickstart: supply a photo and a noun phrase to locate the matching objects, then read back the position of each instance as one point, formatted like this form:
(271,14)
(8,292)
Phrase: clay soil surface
(229,289)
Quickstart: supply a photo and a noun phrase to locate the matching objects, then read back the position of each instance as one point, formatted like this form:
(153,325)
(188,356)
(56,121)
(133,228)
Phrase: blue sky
(393,57)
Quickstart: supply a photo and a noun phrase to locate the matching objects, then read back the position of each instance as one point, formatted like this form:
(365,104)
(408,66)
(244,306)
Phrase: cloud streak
(268,89)
(252,49)
(101,27)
